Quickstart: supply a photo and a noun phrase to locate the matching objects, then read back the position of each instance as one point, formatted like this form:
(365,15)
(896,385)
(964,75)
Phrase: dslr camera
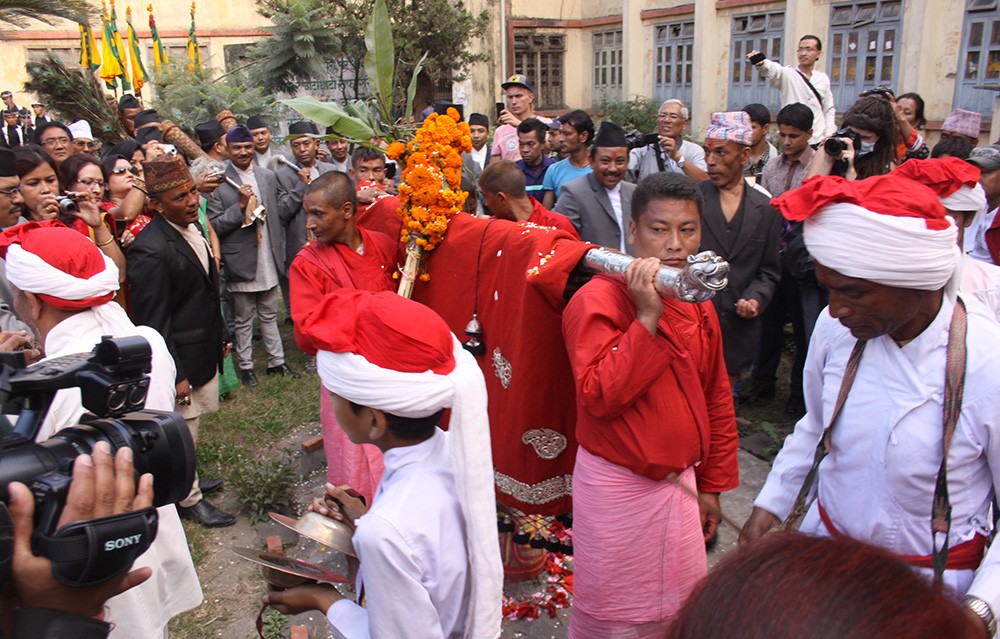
(835,146)
(636,139)
(113,381)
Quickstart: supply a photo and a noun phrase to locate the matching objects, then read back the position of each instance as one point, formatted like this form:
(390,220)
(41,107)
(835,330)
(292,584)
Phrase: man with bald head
(504,193)
(341,255)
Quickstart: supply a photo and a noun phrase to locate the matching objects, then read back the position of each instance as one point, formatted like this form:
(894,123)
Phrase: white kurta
(877,483)
(794,89)
(982,281)
(143,611)
(411,544)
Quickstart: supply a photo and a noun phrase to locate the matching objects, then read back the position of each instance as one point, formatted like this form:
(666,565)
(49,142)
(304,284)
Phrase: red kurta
(523,272)
(544,217)
(654,405)
(319,269)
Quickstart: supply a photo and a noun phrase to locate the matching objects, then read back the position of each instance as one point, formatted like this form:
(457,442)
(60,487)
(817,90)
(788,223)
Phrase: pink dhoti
(638,550)
(358,466)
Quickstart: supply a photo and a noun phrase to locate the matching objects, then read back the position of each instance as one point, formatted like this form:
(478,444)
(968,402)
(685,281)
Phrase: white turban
(966,199)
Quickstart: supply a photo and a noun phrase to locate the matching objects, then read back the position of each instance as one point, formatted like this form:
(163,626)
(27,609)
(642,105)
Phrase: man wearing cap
(505,195)
(253,250)
(8,100)
(895,347)
(339,152)
(804,83)
(982,240)
(11,206)
(261,132)
(430,566)
(175,289)
(520,106)
(479,130)
(24,116)
(13,134)
(670,152)
(598,203)
(293,178)
(40,117)
(83,138)
(212,139)
(148,118)
(128,108)
(656,426)
(64,288)
(342,255)
(743,229)
(964,124)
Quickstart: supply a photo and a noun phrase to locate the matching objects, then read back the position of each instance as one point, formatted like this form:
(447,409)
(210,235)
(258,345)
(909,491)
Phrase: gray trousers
(204,399)
(265,304)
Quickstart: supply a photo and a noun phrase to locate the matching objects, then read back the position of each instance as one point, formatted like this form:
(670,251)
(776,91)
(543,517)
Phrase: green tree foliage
(637,113)
(301,44)
(189,97)
(20,12)
(441,28)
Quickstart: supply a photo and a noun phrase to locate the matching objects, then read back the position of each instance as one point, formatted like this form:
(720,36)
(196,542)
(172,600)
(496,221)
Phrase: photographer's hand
(101,486)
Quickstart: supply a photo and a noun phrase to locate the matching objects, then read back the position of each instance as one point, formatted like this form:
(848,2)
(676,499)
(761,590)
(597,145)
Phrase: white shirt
(411,544)
(615,195)
(479,157)
(794,89)
(877,483)
(982,281)
(642,161)
(975,236)
(143,611)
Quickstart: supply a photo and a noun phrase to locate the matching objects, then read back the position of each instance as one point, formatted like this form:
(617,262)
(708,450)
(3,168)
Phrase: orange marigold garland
(430,190)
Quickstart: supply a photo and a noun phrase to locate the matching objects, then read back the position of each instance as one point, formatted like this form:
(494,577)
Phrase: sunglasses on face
(119,170)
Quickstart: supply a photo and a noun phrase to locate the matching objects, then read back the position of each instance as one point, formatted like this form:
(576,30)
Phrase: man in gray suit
(253,250)
(598,203)
(293,177)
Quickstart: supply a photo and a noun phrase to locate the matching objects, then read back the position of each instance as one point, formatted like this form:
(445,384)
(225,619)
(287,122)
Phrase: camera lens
(834,146)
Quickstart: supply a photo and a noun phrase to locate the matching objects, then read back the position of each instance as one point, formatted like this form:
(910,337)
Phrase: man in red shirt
(504,194)
(655,423)
(342,255)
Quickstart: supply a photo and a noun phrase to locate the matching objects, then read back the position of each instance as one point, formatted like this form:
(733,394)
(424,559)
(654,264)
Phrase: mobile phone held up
(757,58)
(500,109)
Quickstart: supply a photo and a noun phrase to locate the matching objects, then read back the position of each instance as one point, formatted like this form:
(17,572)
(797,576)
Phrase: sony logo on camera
(122,542)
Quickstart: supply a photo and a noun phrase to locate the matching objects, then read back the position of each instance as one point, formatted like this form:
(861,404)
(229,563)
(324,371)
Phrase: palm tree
(19,12)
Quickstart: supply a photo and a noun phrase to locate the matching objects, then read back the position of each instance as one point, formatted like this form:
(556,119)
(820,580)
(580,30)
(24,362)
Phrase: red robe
(544,217)
(319,269)
(382,216)
(654,405)
(523,271)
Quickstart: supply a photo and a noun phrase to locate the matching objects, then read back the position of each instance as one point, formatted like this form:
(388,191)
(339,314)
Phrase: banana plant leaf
(379,58)
(332,114)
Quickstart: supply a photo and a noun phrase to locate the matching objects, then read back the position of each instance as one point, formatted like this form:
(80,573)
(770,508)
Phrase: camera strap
(91,551)
(659,157)
(810,84)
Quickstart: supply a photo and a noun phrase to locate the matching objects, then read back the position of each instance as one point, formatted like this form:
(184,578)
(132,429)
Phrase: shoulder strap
(802,502)
(810,84)
(954,388)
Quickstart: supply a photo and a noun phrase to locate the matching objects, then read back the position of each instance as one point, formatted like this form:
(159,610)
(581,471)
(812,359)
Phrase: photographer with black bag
(63,289)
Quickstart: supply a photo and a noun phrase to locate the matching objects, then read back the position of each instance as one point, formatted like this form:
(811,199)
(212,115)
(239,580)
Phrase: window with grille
(69,56)
(979,62)
(762,32)
(862,47)
(607,52)
(540,57)
(673,51)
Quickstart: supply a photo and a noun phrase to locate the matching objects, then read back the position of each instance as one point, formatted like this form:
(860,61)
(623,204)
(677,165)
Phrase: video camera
(113,381)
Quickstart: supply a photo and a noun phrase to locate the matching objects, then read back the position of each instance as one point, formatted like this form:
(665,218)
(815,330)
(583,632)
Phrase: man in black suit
(13,134)
(740,225)
(175,289)
(247,211)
